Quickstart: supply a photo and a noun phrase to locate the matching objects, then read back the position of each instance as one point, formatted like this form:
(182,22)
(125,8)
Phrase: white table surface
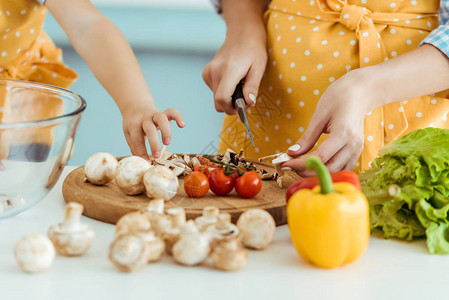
(390,269)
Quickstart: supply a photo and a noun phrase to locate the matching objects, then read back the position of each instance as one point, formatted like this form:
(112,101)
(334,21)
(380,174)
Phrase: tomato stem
(314,163)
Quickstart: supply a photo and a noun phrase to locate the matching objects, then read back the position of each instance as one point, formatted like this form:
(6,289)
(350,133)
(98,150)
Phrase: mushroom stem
(72,215)
(223,220)
(210,212)
(177,217)
(156,205)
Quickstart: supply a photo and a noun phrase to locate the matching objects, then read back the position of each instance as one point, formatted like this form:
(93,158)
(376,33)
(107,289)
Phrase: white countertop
(390,269)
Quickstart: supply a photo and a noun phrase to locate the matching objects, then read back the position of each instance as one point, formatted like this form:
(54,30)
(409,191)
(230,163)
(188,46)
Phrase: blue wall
(172,46)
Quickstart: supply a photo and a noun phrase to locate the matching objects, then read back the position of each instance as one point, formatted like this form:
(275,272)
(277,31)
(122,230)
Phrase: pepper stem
(314,163)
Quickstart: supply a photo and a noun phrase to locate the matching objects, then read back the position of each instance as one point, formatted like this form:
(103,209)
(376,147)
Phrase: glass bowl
(37,128)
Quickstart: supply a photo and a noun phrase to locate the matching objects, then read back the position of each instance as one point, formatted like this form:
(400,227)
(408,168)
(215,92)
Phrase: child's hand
(242,56)
(340,113)
(140,121)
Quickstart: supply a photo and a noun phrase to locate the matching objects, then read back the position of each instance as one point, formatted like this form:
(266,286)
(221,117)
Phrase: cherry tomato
(220,183)
(248,185)
(196,184)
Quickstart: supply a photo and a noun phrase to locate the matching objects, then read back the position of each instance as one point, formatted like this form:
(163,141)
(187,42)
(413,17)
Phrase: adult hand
(340,113)
(242,56)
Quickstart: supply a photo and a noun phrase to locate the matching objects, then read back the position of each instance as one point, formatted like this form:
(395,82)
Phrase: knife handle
(238,93)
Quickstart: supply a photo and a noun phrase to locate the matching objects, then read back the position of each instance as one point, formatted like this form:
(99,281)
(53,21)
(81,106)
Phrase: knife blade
(240,105)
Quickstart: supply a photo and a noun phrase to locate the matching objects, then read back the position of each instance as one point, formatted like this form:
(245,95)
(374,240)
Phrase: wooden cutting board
(107,203)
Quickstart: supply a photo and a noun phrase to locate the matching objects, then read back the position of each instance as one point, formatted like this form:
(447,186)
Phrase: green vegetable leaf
(419,164)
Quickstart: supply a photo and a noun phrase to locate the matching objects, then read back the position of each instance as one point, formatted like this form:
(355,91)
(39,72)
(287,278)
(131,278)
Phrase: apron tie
(351,16)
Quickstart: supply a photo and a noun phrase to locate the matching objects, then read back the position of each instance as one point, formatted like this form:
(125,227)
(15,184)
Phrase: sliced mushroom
(70,237)
(194,162)
(100,168)
(129,252)
(281,158)
(223,230)
(266,175)
(34,253)
(186,158)
(227,155)
(165,154)
(209,218)
(229,256)
(257,228)
(192,247)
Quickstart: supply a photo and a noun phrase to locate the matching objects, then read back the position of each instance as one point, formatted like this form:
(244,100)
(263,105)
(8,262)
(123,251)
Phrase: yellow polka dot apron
(26,53)
(312,43)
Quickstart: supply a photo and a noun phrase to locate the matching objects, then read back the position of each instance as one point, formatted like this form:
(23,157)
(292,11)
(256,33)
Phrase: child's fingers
(151,132)
(162,122)
(252,82)
(174,115)
(136,141)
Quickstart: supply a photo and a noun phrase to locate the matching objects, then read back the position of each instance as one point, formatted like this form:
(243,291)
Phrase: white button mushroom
(155,214)
(129,175)
(156,246)
(192,247)
(128,252)
(160,182)
(257,227)
(177,217)
(136,223)
(229,256)
(132,222)
(209,218)
(34,253)
(100,168)
(223,230)
(72,238)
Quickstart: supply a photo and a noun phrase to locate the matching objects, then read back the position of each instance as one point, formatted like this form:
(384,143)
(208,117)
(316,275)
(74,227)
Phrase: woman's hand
(340,113)
(141,121)
(242,56)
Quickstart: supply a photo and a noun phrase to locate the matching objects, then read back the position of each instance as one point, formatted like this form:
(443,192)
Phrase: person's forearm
(417,73)
(105,50)
(242,16)
(114,64)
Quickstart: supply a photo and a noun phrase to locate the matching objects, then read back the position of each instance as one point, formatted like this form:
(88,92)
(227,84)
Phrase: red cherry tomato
(220,183)
(248,185)
(196,184)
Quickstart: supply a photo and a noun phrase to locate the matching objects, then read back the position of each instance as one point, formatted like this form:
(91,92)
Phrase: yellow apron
(313,43)
(26,53)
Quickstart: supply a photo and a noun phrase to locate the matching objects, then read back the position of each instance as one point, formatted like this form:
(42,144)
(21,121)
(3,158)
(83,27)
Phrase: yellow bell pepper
(329,225)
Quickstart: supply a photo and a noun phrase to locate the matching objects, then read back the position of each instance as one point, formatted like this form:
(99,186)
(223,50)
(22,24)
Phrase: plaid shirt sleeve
(440,36)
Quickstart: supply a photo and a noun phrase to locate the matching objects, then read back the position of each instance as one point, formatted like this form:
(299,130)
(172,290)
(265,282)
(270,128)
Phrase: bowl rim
(47,87)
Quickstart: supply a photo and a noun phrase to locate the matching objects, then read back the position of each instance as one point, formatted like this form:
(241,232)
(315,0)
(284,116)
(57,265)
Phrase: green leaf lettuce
(419,164)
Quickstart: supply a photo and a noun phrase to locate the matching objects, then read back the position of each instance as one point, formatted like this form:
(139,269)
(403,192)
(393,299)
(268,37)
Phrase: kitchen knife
(240,105)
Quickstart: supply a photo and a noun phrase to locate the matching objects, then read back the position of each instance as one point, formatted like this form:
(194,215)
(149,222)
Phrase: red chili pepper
(311,182)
